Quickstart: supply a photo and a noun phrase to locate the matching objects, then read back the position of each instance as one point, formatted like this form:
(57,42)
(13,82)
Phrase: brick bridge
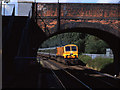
(101,20)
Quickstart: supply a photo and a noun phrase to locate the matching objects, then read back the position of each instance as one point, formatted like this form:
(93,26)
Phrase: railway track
(80,77)
(110,80)
(66,79)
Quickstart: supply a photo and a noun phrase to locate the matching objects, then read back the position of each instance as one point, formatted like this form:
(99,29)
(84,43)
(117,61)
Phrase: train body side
(60,51)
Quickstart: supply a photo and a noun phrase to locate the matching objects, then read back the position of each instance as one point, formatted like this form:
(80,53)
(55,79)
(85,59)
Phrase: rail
(85,85)
(56,76)
(102,78)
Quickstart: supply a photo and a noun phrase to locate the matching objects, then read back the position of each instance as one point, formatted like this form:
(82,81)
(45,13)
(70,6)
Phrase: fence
(99,55)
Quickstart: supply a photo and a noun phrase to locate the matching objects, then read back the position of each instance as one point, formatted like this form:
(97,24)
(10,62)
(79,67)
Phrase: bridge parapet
(50,16)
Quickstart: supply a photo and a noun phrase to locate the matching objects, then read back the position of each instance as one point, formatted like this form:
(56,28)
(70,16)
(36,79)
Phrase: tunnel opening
(103,35)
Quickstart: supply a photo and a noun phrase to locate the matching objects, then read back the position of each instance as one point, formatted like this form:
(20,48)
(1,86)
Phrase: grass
(97,63)
(86,59)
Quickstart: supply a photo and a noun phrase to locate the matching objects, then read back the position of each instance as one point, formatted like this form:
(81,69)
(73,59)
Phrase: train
(67,54)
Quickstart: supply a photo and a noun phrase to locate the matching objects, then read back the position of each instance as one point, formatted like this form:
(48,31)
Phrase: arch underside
(74,26)
(105,32)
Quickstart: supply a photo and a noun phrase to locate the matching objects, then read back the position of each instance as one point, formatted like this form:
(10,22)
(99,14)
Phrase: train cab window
(73,48)
(67,48)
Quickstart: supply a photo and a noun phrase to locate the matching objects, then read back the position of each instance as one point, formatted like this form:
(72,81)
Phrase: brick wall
(106,14)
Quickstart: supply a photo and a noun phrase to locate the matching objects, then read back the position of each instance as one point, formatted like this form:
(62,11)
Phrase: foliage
(97,63)
(95,45)
(85,58)
(86,43)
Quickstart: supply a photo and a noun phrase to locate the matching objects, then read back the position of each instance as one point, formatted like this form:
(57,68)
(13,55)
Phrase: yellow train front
(69,52)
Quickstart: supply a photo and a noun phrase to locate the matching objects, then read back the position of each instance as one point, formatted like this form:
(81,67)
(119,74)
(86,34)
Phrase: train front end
(70,51)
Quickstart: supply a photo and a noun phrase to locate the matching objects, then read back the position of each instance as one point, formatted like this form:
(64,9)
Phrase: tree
(95,45)
(86,43)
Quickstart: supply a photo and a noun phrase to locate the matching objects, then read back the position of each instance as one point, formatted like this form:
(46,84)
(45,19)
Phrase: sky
(61,1)
(75,1)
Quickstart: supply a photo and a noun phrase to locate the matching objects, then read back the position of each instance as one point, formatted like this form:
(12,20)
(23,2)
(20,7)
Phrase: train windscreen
(73,48)
(67,48)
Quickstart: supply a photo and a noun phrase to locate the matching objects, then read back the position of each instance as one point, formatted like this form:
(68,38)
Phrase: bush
(99,63)
(85,58)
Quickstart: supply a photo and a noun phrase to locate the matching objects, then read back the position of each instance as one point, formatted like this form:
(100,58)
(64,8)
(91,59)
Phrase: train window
(67,48)
(73,48)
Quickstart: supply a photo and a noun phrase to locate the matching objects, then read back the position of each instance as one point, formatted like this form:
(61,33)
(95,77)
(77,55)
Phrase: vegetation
(97,63)
(85,58)
(95,45)
(86,43)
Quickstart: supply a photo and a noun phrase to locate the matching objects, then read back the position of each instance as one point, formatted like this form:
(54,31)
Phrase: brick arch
(88,25)
(105,32)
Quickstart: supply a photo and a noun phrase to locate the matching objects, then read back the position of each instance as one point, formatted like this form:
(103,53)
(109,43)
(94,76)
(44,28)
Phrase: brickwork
(105,14)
